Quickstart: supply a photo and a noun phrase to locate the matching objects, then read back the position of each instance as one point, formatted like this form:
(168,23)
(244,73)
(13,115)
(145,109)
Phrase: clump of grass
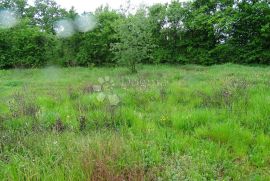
(231,92)
(98,162)
(2,119)
(82,122)
(88,89)
(189,121)
(73,94)
(163,94)
(194,68)
(231,135)
(59,126)
(102,172)
(23,104)
(178,168)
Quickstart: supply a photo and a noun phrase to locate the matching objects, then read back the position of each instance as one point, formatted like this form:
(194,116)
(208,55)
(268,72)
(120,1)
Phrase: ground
(164,123)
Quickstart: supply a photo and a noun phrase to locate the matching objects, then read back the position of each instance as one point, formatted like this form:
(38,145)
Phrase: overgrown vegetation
(163,123)
(198,32)
(66,119)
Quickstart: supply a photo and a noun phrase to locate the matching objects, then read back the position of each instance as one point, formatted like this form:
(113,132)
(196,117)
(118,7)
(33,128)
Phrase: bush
(23,46)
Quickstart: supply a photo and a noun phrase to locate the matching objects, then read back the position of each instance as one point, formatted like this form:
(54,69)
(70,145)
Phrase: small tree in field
(135,41)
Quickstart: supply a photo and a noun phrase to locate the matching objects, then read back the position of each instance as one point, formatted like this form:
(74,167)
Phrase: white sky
(91,5)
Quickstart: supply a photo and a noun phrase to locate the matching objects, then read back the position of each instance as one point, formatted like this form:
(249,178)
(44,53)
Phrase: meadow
(164,123)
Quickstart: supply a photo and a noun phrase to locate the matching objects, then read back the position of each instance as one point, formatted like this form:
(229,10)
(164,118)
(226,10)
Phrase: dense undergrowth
(164,123)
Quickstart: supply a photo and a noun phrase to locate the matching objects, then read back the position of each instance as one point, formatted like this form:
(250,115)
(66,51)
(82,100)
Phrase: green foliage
(92,48)
(197,32)
(46,13)
(208,32)
(135,41)
(21,6)
(250,35)
(23,46)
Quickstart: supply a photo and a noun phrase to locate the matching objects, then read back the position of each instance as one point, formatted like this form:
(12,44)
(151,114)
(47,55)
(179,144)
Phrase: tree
(96,44)
(93,47)
(250,32)
(176,29)
(46,13)
(135,41)
(23,46)
(158,23)
(201,32)
(20,6)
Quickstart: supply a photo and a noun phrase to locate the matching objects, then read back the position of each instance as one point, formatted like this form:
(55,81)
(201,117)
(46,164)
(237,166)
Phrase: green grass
(172,123)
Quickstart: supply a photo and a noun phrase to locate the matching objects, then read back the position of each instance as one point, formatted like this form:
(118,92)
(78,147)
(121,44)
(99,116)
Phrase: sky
(91,5)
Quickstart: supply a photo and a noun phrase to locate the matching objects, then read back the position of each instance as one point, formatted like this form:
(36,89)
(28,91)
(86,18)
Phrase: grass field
(164,123)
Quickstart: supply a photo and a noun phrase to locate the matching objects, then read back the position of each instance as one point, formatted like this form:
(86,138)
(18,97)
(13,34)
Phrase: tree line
(199,32)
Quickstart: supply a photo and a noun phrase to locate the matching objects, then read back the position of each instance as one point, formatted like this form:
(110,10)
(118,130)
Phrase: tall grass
(170,123)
